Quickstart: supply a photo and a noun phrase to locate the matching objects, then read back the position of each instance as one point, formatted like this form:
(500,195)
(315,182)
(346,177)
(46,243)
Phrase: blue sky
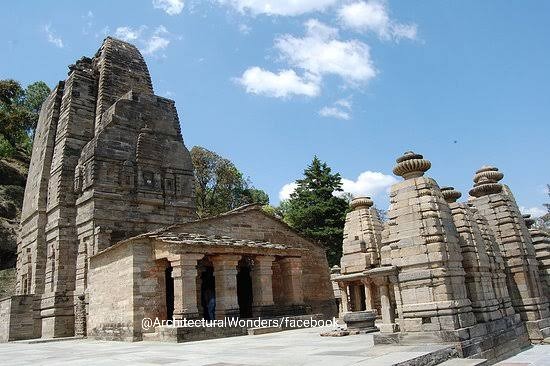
(269,84)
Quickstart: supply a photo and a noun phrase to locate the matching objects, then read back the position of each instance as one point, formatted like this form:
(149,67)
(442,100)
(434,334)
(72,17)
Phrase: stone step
(264,330)
(545,332)
(546,341)
(465,362)
(48,340)
(436,356)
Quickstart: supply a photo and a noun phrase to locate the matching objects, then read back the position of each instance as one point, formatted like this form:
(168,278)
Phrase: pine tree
(315,211)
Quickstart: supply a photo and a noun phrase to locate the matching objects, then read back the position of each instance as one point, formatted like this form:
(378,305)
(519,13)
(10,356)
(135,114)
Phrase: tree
(219,185)
(315,211)
(35,94)
(19,111)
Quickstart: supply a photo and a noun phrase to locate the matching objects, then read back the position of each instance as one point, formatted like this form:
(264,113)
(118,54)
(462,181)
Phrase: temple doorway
(169,281)
(244,289)
(208,293)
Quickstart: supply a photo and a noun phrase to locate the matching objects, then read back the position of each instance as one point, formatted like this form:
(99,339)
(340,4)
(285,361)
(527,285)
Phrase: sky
(270,84)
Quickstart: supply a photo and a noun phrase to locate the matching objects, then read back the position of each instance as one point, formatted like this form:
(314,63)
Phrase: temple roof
(212,240)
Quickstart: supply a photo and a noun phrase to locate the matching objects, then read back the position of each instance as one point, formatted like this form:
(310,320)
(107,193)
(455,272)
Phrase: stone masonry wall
(111,293)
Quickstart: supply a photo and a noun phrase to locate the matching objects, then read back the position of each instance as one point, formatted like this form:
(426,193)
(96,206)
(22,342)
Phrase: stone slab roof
(211,240)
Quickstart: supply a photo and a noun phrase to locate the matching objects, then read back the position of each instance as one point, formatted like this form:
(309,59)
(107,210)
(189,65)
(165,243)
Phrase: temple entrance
(244,289)
(169,281)
(208,293)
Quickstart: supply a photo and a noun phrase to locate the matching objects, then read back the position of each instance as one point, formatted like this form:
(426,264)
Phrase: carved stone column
(262,286)
(388,315)
(291,271)
(344,308)
(368,296)
(184,273)
(225,274)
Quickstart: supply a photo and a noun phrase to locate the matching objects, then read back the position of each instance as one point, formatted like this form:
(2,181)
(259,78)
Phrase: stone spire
(541,242)
(486,181)
(411,165)
(496,203)
(529,222)
(362,237)
(422,242)
(477,259)
(450,194)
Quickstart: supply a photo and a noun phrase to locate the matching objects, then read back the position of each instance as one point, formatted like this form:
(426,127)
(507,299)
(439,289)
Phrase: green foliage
(220,186)
(315,212)
(19,111)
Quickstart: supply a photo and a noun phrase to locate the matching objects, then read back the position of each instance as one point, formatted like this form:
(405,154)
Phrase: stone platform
(495,340)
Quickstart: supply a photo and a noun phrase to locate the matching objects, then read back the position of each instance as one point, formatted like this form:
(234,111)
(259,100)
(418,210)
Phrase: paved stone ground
(535,356)
(297,347)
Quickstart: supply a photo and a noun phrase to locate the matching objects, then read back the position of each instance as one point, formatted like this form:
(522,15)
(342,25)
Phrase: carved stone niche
(146,178)
(169,184)
(127,180)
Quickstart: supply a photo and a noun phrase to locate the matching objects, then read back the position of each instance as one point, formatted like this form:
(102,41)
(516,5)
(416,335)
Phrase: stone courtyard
(297,347)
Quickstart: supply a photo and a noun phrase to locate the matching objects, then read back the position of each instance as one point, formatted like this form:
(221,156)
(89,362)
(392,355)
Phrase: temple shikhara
(109,236)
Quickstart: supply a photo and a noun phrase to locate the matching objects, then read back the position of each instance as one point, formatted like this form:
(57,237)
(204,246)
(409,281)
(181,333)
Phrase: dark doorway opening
(169,293)
(244,292)
(208,293)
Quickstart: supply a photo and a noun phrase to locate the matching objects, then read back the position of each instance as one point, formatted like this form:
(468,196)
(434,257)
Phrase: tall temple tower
(496,202)
(108,163)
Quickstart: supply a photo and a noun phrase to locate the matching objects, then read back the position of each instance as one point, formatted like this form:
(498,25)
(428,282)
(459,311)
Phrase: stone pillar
(262,286)
(225,274)
(291,273)
(184,273)
(344,307)
(388,313)
(368,296)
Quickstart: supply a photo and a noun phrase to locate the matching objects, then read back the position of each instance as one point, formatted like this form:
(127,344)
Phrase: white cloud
(533,211)
(52,38)
(244,29)
(171,7)
(129,34)
(150,44)
(334,112)
(372,16)
(340,109)
(287,190)
(284,84)
(321,53)
(88,20)
(345,103)
(154,45)
(369,183)
(279,7)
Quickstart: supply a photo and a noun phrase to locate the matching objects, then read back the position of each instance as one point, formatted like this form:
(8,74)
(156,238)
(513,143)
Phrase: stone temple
(109,233)
(440,271)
